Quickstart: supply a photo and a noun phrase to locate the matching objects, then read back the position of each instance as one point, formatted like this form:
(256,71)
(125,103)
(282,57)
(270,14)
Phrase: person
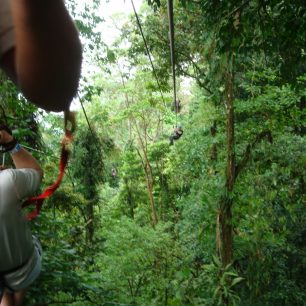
(20,256)
(114,172)
(40,51)
(177,133)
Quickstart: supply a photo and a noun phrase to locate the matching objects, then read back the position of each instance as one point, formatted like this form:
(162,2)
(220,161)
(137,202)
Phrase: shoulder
(7,180)
(16,173)
(6,176)
(24,181)
(30,175)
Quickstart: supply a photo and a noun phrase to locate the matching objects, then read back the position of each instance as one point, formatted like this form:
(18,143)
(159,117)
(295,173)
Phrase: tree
(88,170)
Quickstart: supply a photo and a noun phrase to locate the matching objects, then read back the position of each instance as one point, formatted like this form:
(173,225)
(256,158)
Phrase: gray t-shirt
(16,245)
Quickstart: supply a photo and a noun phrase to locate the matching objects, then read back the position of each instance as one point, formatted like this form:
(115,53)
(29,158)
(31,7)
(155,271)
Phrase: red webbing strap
(65,152)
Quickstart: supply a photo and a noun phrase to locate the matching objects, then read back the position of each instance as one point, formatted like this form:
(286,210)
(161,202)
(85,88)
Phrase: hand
(70,121)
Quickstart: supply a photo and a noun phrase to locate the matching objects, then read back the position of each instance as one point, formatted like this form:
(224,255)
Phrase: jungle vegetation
(219,217)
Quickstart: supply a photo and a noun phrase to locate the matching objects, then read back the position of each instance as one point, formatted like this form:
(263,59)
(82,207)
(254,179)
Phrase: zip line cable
(172,52)
(90,128)
(86,117)
(35,150)
(148,52)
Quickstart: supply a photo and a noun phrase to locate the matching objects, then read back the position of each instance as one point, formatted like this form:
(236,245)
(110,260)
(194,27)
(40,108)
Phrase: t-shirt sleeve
(25,181)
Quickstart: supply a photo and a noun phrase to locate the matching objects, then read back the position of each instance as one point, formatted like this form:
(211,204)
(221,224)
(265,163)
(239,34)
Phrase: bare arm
(22,159)
(46,61)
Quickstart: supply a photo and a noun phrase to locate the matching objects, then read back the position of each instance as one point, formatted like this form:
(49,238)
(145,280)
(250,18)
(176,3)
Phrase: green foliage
(64,271)
(136,262)
(266,248)
(100,245)
(88,161)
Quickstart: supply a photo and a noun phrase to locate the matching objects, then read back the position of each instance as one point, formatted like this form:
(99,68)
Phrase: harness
(67,140)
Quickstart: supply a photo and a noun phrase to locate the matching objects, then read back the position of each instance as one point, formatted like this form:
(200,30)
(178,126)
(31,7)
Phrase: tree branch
(247,153)
(198,72)
(237,9)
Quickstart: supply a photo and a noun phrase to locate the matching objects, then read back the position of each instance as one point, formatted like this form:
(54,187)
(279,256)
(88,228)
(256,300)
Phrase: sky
(110,7)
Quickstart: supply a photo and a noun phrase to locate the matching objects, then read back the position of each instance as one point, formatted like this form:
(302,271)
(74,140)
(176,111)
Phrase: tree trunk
(147,169)
(89,221)
(225,214)
(213,132)
(129,198)
(92,199)
(149,181)
(225,232)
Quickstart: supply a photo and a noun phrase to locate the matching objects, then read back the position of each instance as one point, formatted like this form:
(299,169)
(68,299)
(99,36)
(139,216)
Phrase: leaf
(230,274)
(236,281)
(216,291)
(216,261)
